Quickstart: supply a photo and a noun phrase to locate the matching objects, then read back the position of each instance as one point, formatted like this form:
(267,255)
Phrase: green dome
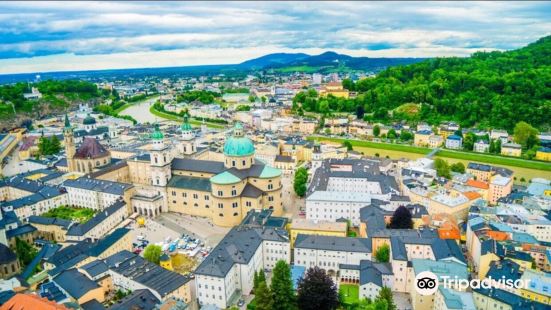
(238,144)
(185,125)
(157,134)
(89,120)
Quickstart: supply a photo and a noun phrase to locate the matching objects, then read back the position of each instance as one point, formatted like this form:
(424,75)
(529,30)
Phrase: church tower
(70,149)
(238,150)
(161,159)
(187,145)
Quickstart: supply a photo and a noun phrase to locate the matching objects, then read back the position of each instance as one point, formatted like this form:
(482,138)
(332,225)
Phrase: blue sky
(59,36)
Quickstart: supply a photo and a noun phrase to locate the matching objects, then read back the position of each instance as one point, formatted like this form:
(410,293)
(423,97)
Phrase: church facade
(223,191)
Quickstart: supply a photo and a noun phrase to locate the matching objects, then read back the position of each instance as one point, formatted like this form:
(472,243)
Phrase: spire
(157,134)
(186,126)
(67,123)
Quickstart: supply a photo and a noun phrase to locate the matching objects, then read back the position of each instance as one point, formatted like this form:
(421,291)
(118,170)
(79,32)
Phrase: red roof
(478,184)
(30,302)
(91,148)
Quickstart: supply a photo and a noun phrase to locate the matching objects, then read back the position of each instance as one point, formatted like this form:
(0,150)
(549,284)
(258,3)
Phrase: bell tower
(69,141)
(187,145)
(161,159)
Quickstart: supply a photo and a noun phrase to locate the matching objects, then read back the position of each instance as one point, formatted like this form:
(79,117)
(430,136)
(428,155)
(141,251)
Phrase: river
(140,111)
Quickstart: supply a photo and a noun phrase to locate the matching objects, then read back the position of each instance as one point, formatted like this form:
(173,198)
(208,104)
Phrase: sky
(67,36)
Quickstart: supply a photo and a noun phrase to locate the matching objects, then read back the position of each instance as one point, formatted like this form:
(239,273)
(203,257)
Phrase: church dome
(238,144)
(157,134)
(186,126)
(89,120)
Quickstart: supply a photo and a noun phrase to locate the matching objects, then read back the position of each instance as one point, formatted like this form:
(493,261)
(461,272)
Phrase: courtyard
(81,215)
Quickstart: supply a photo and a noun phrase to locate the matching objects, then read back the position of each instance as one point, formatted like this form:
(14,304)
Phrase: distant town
(211,192)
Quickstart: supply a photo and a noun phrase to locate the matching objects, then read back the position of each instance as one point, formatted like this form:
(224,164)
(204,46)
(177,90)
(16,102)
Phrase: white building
(331,206)
(329,252)
(93,193)
(481,146)
(230,267)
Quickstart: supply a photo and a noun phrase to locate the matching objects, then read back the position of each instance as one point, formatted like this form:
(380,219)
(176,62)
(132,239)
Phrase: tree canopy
(489,89)
(401,219)
(299,184)
(383,253)
(152,253)
(282,287)
(317,291)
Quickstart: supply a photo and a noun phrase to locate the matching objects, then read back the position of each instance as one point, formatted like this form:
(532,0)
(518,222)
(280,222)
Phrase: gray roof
(46,192)
(74,283)
(81,229)
(35,219)
(251,191)
(332,243)
(238,247)
(150,275)
(286,159)
(115,188)
(193,183)
(359,168)
(139,299)
(6,254)
(92,305)
(95,268)
(370,274)
(207,166)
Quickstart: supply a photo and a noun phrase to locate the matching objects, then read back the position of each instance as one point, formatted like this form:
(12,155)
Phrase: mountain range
(280,62)
(326,62)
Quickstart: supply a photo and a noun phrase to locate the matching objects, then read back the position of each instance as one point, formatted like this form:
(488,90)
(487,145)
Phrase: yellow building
(511,149)
(335,89)
(543,153)
(225,191)
(421,137)
(322,228)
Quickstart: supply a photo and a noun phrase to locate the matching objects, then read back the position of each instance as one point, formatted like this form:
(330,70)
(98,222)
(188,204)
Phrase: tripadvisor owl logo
(426,283)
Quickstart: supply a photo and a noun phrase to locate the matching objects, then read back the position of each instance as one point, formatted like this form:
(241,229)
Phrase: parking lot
(196,227)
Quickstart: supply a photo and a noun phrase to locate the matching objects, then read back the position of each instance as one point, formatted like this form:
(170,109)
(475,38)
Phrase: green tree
(383,254)
(406,135)
(264,297)
(386,294)
(316,291)
(49,146)
(251,98)
(299,184)
(152,253)
(261,276)
(376,130)
(25,252)
(348,145)
(468,141)
(282,287)
(392,134)
(442,168)
(525,135)
(458,167)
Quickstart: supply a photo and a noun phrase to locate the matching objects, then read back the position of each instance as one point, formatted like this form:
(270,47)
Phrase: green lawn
(81,215)
(350,293)
(179,119)
(375,145)
(478,157)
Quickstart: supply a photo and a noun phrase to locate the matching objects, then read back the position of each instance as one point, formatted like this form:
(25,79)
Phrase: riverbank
(175,118)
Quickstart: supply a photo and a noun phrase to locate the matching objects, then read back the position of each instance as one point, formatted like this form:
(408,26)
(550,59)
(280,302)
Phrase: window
(207,197)
(244,163)
(195,196)
(235,214)
(234,205)
(221,215)
(270,186)
(184,195)
(220,205)
(248,204)
(233,192)
(233,163)
(220,193)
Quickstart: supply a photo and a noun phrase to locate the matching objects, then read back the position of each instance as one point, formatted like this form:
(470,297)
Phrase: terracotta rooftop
(30,302)
(472,195)
(477,184)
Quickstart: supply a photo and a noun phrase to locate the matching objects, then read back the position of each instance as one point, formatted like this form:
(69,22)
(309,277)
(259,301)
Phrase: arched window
(156,160)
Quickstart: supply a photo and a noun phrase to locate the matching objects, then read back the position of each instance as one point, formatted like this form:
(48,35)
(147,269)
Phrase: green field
(376,145)
(483,158)
(180,119)
(350,294)
(81,215)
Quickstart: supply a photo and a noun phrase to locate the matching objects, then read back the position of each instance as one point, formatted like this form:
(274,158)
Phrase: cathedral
(223,191)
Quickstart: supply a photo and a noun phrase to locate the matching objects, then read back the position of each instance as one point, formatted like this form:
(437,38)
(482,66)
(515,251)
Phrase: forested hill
(489,89)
